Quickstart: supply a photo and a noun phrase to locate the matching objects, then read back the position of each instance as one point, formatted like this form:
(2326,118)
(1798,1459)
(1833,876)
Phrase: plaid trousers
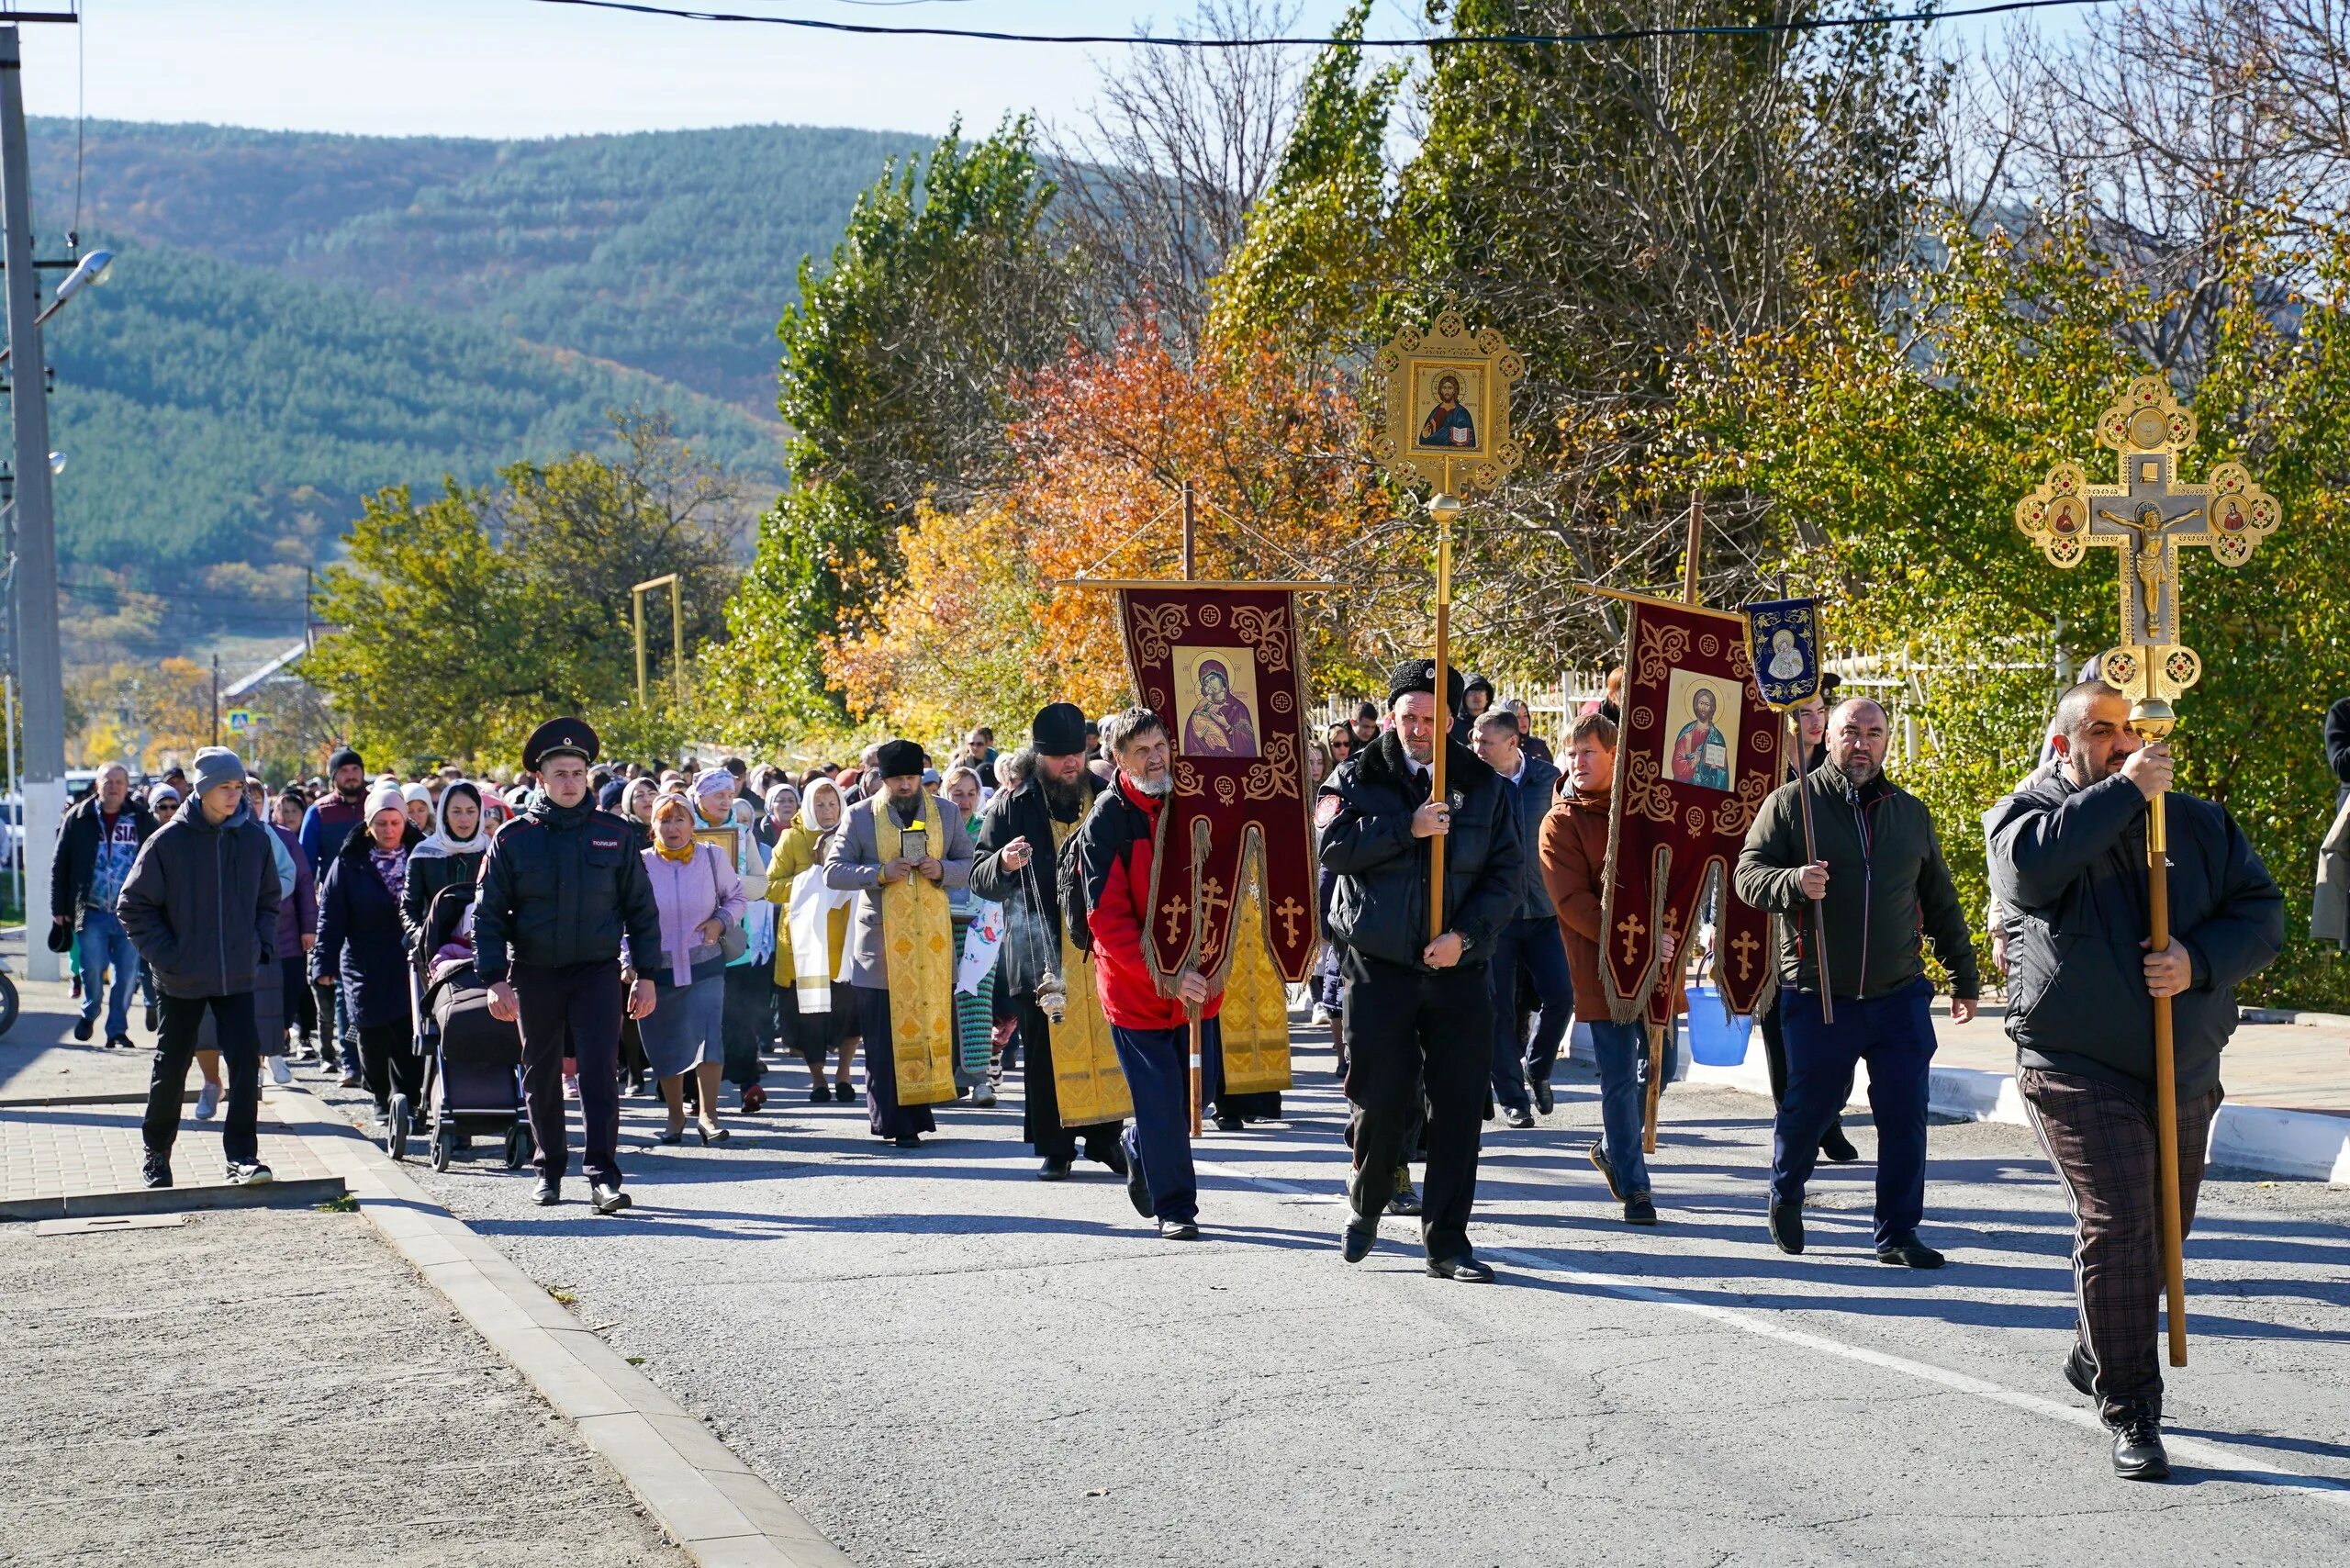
(2101,1140)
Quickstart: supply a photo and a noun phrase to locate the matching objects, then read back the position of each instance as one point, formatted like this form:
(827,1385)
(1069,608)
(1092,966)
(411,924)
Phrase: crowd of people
(673,930)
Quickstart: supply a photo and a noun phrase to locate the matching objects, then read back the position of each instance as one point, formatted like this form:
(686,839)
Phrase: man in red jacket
(1150,1029)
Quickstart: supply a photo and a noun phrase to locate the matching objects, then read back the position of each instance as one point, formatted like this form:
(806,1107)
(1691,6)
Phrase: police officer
(1419,1013)
(562,884)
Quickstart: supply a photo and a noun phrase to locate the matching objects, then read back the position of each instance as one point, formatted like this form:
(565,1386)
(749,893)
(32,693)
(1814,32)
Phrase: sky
(523,68)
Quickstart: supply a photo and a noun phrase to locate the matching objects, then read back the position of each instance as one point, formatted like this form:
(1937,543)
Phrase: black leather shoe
(547,1193)
(1229,1124)
(2078,1372)
(2138,1453)
(608,1200)
(1607,1168)
(1054,1169)
(1837,1147)
(83,1028)
(1786,1227)
(1639,1209)
(1465,1268)
(1139,1189)
(1519,1116)
(1115,1157)
(1359,1238)
(907,1140)
(1909,1252)
(1544,1100)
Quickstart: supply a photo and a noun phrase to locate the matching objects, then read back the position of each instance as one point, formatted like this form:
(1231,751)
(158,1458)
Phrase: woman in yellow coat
(818,1014)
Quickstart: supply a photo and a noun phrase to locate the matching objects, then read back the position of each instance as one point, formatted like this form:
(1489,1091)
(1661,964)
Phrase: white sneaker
(983,1095)
(207,1101)
(571,1086)
(280,1070)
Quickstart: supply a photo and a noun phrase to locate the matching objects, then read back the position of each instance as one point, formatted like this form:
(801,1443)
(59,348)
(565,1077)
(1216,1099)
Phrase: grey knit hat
(216,765)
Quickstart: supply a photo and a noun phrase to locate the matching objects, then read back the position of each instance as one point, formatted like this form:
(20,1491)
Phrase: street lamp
(90,269)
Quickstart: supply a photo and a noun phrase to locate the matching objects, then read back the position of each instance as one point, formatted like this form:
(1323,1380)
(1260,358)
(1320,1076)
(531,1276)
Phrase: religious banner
(1254,1016)
(1696,754)
(1783,647)
(1223,667)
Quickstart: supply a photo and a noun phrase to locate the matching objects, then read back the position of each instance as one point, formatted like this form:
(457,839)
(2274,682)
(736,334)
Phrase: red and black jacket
(1114,851)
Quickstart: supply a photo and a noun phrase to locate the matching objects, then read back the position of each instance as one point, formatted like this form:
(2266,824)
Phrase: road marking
(2195,1451)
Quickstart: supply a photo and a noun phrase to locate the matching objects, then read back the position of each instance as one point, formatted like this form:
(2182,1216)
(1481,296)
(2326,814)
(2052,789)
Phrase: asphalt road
(945,1361)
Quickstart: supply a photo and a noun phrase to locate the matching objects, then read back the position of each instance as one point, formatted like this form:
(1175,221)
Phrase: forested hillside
(298,319)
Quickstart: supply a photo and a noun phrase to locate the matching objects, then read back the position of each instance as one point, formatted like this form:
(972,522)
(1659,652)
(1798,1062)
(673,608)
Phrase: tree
(144,716)
(895,370)
(973,633)
(1887,455)
(465,620)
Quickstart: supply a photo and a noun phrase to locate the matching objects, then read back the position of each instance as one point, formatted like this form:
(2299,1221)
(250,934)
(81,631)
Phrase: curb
(705,1498)
(299,1193)
(2267,1139)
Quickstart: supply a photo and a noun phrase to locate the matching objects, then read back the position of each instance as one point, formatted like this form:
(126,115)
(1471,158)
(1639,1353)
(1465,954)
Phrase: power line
(1619,35)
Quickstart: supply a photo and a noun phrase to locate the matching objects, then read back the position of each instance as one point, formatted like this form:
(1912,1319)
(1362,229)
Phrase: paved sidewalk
(68,1151)
(2292,1067)
(41,1060)
(274,1389)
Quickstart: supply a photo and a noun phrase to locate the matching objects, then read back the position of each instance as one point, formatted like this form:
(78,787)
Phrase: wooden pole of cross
(2148,518)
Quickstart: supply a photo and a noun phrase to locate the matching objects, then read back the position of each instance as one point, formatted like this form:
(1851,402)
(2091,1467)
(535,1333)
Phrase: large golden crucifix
(2150,517)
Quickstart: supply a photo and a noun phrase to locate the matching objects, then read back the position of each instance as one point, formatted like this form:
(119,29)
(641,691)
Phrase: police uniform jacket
(564,886)
(1364,820)
(1031,892)
(2070,865)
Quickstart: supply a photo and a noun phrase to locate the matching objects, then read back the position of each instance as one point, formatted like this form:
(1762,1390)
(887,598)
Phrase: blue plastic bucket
(1715,1040)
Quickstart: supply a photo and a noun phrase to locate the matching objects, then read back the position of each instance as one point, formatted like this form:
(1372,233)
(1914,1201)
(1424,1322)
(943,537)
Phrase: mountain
(296,319)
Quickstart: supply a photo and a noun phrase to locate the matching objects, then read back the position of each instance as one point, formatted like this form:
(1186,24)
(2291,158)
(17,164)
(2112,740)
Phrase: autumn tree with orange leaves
(1272,447)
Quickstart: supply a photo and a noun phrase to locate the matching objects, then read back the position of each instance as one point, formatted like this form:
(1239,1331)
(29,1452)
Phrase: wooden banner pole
(1670,979)
(1442,507)
(1191,574)
(2155,722)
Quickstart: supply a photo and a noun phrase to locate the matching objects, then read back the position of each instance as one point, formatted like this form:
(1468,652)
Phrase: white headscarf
(438,843)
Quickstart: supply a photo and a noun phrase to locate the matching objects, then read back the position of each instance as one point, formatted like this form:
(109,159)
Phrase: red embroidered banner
(1224,670)
(1697,753)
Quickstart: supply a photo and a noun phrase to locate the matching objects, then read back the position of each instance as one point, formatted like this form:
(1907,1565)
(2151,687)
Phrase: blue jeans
(1533,943)
(1894,1035)
(1157,1066)
(104,945)
(1623,1053)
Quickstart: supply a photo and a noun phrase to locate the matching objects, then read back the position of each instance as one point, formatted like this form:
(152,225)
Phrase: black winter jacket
(2070,865)
(1024,814)
(201,903)
(1363,824)
(1886,886)
(362,941)
(562,884)
(1536,791)
(77,853)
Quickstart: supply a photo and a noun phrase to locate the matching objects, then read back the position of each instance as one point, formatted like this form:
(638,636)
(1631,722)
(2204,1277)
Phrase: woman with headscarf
(362,947)
(450,855)
(700,895)
(818,1012)
(416,800)
(750,993)
(636,807)
(783,804)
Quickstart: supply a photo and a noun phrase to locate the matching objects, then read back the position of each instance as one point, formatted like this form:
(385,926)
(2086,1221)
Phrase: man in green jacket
(1880,876)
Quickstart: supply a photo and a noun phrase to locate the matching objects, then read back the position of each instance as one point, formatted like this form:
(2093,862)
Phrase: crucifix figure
(2150,517)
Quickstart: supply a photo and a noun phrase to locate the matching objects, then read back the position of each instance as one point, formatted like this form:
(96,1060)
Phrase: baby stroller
(472,1063)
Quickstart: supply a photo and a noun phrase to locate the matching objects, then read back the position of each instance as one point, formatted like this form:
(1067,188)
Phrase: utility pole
(216,699)
(41,666)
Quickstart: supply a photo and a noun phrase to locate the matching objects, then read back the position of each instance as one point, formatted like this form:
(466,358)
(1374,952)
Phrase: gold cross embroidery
(1173,910)
(1633,927)
(1288,913)
(1744,944)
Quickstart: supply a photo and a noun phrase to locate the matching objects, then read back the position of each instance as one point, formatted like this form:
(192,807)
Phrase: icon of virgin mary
(1219,723)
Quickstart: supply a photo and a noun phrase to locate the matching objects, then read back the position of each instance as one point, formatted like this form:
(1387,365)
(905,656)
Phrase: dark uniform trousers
(1407,1029)
(2100,1137)
(1040,1112)
(573,1008)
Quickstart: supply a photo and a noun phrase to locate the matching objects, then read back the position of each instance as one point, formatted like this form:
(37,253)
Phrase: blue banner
(1783,644)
